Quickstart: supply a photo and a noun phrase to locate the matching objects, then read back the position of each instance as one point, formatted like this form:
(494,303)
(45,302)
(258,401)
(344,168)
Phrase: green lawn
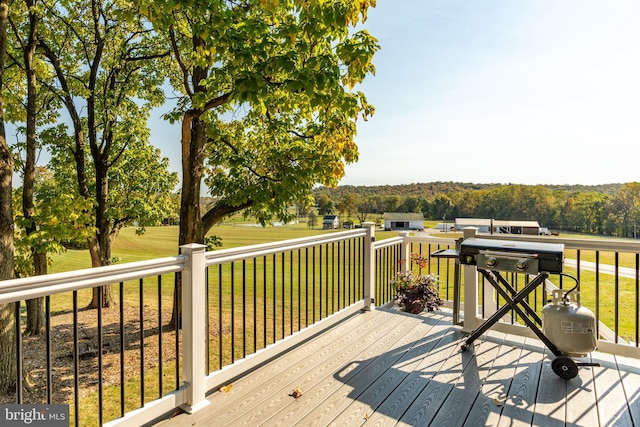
(162,241)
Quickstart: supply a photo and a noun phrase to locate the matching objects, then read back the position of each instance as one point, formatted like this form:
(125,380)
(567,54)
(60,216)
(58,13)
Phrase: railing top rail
(388,242)
(432,239)
(611,245)
(37,286)
(252,251)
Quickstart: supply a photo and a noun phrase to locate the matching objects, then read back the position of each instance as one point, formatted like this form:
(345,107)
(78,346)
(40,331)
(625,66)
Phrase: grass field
(162,241)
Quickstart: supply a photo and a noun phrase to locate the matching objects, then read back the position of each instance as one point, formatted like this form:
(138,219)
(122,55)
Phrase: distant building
(403,221)
(499,226)
(330,222)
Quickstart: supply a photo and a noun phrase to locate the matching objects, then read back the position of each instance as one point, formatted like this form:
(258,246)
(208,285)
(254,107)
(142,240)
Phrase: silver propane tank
(568,325)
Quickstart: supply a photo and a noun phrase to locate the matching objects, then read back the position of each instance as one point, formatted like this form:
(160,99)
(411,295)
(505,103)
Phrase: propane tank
(568,325)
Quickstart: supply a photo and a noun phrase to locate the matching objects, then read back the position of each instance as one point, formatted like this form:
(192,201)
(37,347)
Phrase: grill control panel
(504,261)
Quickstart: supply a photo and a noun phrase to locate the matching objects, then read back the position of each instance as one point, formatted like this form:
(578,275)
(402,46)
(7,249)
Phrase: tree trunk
(98,260)
(193,140)
(7,311)
(35,307)
(7,348)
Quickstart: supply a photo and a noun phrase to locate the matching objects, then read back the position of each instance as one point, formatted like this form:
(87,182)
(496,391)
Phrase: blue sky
(497,91)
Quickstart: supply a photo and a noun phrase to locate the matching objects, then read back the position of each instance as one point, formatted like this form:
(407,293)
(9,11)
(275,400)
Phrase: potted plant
(417,292)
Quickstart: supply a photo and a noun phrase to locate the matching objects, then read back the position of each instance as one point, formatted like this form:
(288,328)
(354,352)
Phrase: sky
(496,91)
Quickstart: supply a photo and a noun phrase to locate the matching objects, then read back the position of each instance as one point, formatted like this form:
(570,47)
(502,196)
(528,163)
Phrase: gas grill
(492,258)
(512,256)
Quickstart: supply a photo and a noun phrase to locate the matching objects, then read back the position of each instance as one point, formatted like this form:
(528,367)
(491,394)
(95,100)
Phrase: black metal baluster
(264,300)
(160,373)
(291,291)
(282,275)
(299,290)
(348,273)
(617,294)
(597,293)
(339,276)
(47,309)
(177,279)
(275,309)
(19,364)
(244,308)
(306,286)
(100,370)
(122,344)
(333,278)
(233,317)
(313,282)
(255,306)
(326,280)
(207,339)
(379,290)
(141,289)
(344,274)
(76,370)
(220,317)
(637,311)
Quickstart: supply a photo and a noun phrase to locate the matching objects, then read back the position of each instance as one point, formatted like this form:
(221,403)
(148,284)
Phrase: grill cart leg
(516,303)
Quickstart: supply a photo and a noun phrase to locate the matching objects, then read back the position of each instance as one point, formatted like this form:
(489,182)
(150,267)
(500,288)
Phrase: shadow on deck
(390,368)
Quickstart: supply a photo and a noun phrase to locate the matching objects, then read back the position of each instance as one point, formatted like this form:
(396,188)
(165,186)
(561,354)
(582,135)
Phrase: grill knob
(522,265)
(492,262)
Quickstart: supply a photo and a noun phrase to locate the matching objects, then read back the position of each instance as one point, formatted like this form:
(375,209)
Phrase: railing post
(470,289)
(193,326)
(369,266)
(405,251)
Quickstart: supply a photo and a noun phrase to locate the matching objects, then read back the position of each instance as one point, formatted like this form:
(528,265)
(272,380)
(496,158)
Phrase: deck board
(386,368)
(629,370)
(610,393)
(519,406)
(488,405)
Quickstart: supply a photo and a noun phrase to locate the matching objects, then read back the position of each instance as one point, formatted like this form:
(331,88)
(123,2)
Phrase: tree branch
(219,210)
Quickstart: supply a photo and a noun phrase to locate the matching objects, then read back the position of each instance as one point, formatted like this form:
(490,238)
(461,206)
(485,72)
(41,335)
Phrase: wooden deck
(387,368)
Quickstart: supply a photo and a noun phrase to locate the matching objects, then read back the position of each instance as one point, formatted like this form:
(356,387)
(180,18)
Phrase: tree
(105,60)
(348,204)
(312,220)
(267,106)
(325,205)
(625,208)
(365,207)
(391,203)
(441,207)
(24,24)
(7,311)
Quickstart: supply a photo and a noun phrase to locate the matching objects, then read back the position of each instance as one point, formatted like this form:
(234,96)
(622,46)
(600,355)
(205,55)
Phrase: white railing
(311,267)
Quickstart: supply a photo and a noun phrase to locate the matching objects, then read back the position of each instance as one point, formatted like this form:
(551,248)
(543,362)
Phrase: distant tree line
(612,209)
